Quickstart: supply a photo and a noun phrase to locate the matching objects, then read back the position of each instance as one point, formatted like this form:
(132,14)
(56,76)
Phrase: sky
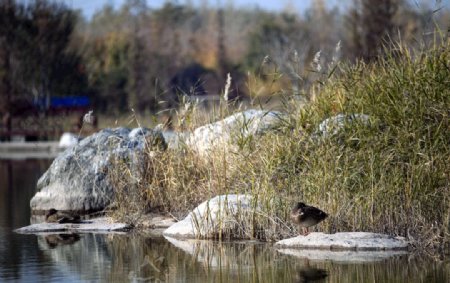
(89,7)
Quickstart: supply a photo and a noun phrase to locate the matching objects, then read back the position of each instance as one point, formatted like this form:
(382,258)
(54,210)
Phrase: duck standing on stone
(306,216)
(54,216)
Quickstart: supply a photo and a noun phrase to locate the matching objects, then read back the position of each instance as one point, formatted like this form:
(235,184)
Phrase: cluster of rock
(207,219)
(77,179)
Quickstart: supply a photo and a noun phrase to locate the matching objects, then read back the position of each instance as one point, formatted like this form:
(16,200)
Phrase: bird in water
(54,216)
(306,216)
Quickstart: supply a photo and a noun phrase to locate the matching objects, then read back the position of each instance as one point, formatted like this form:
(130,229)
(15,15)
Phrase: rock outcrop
(77,180)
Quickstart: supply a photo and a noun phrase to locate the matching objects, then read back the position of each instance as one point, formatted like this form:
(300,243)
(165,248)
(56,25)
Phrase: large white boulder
(77,180)
(207,219)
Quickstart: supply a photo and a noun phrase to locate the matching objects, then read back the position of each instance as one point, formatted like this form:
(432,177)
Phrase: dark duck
(306,216)
(54,216)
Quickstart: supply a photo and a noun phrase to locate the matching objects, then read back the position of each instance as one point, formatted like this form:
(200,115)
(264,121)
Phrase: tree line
(146,59)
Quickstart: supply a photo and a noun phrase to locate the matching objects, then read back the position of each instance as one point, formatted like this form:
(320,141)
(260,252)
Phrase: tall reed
(388,174)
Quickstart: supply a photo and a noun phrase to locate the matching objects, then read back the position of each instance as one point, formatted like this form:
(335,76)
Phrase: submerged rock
(77,179)
(345,241)
(207,219)
(233,128)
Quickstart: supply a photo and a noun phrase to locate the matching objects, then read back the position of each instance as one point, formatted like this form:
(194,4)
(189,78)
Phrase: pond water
(145,257)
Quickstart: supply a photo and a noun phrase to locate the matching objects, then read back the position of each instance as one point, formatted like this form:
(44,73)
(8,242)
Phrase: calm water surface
(141,258)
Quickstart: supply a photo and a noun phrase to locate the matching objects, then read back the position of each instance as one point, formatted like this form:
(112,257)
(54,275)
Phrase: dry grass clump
(389,174)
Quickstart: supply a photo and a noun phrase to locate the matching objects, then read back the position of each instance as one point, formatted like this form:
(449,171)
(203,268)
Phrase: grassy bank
(389,174)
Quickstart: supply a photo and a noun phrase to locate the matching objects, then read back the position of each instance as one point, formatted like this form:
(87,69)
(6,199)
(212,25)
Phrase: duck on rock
(54,216)
(306,216)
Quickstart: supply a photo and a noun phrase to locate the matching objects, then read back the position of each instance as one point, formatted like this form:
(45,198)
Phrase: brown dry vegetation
(389,175)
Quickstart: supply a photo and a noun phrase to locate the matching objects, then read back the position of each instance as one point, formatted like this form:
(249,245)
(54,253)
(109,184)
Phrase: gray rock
(332,125)
(345,241)
(77,179)
(103,224)
(228,131)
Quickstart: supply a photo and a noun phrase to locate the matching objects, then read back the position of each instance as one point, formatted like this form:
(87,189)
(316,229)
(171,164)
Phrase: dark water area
(140,257)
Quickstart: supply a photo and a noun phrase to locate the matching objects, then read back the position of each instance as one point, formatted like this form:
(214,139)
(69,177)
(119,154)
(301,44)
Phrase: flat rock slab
(103,224)
(347,256)
(345,241)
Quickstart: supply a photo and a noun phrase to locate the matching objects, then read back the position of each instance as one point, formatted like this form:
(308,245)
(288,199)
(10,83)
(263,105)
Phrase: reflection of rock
(150,265)
(54,240)
(89,257)
(345,241)
(342,256)
(109,258)
(233,255)
(77,179)
(103,224)
(212,216)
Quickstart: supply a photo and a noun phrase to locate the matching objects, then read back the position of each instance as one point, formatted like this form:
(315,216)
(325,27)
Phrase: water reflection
(55,240)
(139,257)
(311,274)
(131,258)
(349,256)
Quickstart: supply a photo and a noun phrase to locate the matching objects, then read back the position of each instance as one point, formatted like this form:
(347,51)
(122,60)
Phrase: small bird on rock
(306,216)
(54,216)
